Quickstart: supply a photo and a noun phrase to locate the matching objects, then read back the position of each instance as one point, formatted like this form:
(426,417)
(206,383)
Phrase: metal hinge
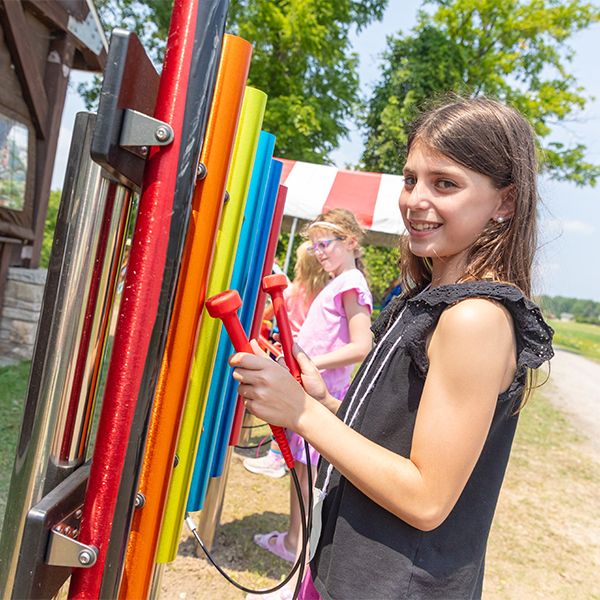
(140,130)
(65,551)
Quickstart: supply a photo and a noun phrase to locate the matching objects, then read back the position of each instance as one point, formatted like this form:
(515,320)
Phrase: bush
(49,227)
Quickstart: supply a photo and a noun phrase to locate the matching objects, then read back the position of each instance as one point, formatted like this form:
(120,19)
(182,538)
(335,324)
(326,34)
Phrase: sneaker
(271,465)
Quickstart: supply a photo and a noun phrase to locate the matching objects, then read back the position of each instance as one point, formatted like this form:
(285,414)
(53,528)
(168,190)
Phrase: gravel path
(575,388)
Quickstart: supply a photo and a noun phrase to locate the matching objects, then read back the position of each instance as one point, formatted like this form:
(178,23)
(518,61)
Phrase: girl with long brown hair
(413,458)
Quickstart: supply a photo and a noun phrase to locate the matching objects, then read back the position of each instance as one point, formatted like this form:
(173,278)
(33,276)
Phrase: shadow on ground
(234,548)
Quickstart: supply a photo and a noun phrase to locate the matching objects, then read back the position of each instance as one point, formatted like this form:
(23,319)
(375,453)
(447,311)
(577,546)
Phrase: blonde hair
(308,272)
(343,222)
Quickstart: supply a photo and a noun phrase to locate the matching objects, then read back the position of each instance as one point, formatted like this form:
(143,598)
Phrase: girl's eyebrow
(446,172)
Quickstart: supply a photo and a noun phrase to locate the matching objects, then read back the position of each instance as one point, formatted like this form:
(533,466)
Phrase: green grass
(13,387)
(581,338)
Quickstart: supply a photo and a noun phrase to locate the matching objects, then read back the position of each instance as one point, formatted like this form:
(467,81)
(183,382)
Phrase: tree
(148,19)
(302,59)
(514,50)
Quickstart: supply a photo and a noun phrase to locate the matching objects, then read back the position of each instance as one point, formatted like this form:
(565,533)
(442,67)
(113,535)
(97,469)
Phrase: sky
(568,261)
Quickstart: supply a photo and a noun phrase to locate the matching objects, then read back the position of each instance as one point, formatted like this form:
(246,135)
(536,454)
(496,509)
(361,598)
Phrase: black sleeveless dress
(365,552)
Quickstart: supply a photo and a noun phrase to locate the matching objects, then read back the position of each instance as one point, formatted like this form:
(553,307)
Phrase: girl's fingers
(258,351)
(245,391)
(247,360)
(246,377)
(306,365)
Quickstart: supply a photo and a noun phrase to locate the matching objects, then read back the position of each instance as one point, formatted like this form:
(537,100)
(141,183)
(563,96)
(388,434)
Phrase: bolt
(85,557)
(78,513)
(68,531)
(201,171)
(161,134)
(140,500)
(144,150)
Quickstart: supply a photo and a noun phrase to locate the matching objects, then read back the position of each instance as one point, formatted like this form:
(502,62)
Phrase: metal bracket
(130,85)
(64,551)
(140,129)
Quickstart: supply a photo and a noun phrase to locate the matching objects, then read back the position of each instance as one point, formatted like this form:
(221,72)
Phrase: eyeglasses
(322,245)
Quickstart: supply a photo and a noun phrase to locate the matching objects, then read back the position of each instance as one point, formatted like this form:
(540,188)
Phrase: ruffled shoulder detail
(533,334)
(352,279)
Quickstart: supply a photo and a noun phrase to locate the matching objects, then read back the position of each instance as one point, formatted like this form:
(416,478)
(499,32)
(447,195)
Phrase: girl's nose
(418,196)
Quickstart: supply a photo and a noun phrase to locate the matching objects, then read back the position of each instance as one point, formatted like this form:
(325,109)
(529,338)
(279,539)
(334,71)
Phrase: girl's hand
(312,380)
(268,389)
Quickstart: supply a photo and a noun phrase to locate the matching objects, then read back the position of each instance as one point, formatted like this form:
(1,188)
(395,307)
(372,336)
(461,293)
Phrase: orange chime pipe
(170,395)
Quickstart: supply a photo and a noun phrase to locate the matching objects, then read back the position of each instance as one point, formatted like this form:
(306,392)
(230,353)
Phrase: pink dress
(296,305)
(324,330)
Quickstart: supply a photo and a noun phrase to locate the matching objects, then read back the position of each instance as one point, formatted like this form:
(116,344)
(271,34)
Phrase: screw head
(201,171)
(161,133)
(140,500)
(85,557)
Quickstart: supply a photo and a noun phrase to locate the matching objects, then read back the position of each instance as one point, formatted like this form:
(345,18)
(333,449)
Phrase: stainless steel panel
(59,334)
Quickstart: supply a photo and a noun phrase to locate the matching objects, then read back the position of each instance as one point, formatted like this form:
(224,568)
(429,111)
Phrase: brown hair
(346,225)
(308,272)
(495,140)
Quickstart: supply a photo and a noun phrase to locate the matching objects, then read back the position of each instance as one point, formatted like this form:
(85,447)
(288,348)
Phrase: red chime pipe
(140,300)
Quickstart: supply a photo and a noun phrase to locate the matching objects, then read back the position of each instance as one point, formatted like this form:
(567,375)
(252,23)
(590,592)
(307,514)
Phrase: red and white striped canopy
(372,197)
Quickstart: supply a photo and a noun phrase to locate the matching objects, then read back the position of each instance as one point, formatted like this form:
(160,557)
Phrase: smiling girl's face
(445,207)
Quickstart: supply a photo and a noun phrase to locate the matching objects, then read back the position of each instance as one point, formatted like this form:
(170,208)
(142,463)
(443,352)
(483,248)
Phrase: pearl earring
(499,219)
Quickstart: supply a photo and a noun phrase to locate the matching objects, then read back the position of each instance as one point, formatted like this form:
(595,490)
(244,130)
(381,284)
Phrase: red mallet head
(224,306)
(225,303)
(274,283)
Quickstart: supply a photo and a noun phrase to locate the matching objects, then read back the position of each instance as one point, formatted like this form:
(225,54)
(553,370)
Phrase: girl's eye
(409,180)
(446,184)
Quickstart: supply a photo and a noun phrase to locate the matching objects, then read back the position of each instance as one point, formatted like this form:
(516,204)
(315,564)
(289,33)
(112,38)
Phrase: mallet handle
(274,286)
(224,306)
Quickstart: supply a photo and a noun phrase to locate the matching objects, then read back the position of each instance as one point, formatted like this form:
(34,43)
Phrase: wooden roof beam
(14,24)
(56,14)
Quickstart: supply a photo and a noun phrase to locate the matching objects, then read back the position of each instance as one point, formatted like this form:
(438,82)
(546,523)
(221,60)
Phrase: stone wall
(20,313)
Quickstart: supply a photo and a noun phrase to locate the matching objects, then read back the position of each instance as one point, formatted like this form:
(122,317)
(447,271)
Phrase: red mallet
(274,286)
(224,306)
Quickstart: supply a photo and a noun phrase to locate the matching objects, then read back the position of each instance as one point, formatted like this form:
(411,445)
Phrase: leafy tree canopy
(514,50)
(302,59)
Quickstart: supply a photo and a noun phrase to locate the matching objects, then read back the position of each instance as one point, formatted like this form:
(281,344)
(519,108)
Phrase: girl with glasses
(309,279)
(335,334)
